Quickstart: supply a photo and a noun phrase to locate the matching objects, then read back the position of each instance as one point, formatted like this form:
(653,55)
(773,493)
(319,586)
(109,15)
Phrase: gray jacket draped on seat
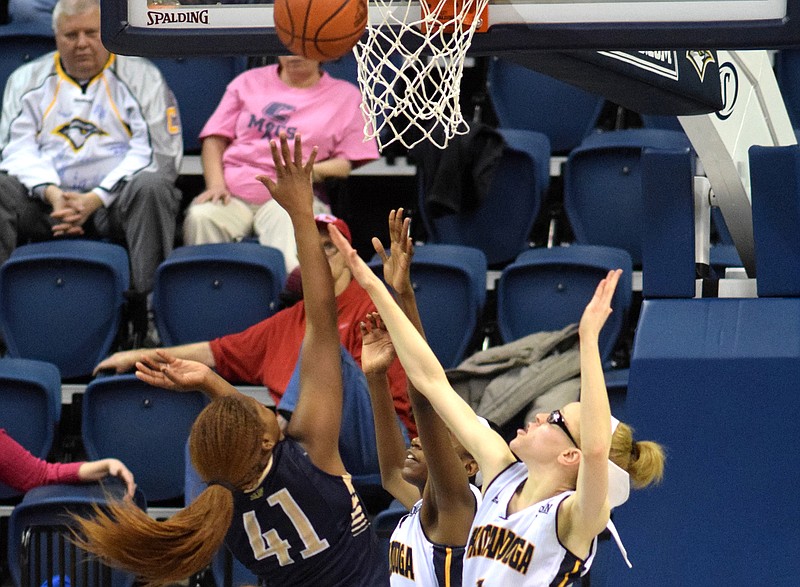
(541,370)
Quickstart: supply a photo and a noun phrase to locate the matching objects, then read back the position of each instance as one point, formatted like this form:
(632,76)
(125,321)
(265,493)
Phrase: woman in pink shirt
(22,471)
(293,96)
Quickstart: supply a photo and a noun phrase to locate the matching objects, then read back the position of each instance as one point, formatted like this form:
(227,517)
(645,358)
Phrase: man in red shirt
(267,352)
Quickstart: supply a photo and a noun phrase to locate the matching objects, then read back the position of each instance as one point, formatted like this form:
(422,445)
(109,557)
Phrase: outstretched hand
(397,266)
(377,350)
(292,188)
(599,309)
(169,372)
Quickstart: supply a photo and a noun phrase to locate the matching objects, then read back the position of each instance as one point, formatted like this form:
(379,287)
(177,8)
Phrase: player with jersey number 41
(283,504)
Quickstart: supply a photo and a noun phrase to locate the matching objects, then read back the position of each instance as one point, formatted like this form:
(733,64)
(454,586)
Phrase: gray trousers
(143,218)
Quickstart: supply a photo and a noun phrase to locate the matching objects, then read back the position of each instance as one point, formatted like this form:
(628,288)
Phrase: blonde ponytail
(643,460)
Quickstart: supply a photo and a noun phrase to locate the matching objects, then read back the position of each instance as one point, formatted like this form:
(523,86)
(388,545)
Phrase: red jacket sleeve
(23,471)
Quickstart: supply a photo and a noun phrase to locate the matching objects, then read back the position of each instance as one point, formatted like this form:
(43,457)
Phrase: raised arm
(449,505)
(124,361)
(587,510)
(377,353)
(425,372)
(162,369)
(317,418)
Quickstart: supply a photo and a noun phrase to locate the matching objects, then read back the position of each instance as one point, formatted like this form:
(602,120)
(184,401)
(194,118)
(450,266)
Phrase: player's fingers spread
(285,152)
(311,159)
(276,158)
(298,150)
(379,248)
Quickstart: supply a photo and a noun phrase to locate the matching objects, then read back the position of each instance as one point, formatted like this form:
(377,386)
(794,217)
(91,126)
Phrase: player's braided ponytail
(225,447)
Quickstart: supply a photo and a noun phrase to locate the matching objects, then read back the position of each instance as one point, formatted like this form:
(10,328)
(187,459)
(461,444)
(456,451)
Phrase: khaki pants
(215,222)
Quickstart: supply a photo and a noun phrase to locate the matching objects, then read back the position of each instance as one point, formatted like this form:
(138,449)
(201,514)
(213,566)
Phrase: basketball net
(410,70)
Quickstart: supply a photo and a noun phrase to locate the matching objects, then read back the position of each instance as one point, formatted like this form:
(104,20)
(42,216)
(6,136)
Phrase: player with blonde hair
(551,490)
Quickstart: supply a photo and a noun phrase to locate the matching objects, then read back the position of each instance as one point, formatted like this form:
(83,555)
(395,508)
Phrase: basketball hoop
(410,69)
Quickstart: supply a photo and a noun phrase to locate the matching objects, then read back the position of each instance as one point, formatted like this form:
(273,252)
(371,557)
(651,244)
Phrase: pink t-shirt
(257,105)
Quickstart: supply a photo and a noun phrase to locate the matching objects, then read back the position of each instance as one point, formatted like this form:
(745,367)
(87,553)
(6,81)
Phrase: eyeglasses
(329,248)
(557,418)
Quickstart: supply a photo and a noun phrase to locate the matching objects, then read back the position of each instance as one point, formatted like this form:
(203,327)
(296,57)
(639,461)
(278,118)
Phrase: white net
(410,66)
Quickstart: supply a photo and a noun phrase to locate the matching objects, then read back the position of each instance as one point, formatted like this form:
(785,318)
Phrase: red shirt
(267,352)
(23,471)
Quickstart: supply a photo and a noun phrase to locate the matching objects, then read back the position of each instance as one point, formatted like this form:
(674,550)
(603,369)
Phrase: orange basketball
(320,29)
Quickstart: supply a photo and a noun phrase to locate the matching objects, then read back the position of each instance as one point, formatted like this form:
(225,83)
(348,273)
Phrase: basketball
(320,29)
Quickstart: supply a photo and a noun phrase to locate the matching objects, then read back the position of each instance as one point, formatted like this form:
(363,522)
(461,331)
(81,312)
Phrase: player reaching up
(284,504)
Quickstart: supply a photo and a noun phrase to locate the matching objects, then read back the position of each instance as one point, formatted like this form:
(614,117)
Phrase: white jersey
(415,560)
(521,549)
(90,135)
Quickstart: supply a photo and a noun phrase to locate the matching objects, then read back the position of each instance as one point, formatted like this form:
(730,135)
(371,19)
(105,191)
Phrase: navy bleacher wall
(715,381)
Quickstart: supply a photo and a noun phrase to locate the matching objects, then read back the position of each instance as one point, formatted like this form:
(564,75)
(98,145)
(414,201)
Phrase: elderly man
(90,144)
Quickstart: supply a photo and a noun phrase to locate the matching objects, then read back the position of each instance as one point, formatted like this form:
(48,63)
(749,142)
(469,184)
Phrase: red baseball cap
(323,220)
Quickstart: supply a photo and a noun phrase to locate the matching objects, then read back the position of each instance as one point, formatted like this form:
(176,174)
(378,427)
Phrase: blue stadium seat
(19,44)
(61,301)
(526,99)
(198,83)
(548,289)
(450,286)
(722,257)
(204,291)
(145,427)
(30,406)
(603,187)
(501,224)
(38,537)
(714,381)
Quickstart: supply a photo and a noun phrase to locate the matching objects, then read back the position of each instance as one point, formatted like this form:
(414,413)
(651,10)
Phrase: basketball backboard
(196,27)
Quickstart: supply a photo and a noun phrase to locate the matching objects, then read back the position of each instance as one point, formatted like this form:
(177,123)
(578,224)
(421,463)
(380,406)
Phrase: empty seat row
(544,289)
(146,427)
(603,194)
(62,301)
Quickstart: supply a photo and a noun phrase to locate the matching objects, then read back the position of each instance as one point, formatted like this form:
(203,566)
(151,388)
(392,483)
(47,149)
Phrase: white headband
(619,482)
(619,489)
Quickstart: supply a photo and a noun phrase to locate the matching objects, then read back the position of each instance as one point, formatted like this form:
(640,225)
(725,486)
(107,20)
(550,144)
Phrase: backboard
(154,28)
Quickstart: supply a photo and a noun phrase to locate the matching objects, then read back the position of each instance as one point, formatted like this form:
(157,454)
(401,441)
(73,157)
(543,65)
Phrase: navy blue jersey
(302,526)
